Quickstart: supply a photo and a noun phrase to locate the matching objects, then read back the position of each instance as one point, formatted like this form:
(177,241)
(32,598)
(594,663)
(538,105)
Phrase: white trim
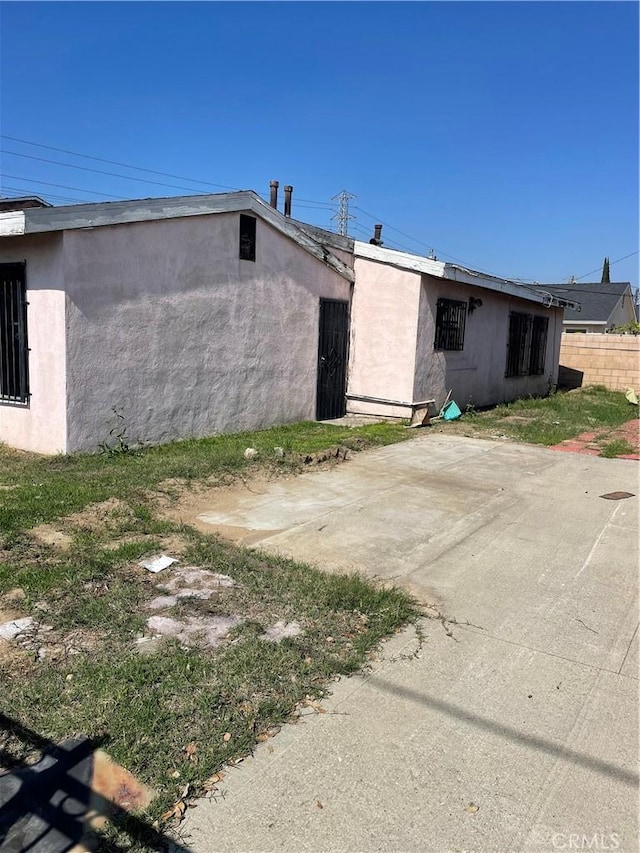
(12,223)
(416,263)
(453,272)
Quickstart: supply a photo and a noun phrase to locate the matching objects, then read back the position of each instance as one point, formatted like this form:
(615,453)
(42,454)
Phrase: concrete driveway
(513,726)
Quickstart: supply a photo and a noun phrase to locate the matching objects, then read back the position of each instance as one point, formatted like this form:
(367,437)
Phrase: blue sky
(502,134)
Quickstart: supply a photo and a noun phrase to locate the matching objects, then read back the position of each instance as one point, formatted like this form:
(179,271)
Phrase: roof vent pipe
(273,193)
(287,200)
(377,233)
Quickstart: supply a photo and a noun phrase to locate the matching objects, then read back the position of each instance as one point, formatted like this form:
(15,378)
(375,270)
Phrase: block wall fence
(591,359)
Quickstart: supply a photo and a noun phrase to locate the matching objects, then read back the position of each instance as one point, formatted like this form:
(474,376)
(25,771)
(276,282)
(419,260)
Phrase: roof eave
(70,217)
(454,272)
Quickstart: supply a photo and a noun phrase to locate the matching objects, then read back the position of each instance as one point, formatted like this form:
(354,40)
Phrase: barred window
(450,321)
(526,345)
(247,238)
(14,373)
(538,345)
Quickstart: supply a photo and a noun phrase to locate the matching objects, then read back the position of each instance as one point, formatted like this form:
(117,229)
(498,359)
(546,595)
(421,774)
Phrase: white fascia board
(452,272)
(12,223)
(584,322)
(404,260)
(500,285)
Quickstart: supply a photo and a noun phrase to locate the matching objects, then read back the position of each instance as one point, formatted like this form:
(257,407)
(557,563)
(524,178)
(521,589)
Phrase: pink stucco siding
(393,362)
(384,329)
(40,425)
(476,374)
(168,326)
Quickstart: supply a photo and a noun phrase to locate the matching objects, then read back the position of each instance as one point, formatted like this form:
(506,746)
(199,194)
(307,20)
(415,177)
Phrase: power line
(99,171)
(128,166)
(113,162)
(49,195)
(367,234)
(61,186)
(559,288)
(597,269)
(429,246)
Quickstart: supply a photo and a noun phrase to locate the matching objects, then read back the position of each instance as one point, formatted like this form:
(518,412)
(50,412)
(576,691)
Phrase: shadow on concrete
(43,806)
(531,741)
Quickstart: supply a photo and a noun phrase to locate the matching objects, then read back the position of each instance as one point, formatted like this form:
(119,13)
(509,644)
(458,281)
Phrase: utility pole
(343,216)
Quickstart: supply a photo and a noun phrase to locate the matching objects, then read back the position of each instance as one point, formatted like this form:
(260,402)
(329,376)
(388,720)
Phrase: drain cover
(617,496)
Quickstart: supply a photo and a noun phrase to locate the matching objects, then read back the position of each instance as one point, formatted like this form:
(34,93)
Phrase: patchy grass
(38,489)
(82,672)
(548,420)
(148,707)
(617,447)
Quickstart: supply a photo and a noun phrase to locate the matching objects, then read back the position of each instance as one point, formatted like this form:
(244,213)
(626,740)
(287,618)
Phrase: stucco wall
(384,326)
(168,326)
(393,362)
(623,313)
(610,360)
(475,375)
(40,425)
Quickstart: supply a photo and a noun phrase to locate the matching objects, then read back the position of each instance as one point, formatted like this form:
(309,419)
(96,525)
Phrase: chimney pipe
(377,232)
(273,193)
(287,200)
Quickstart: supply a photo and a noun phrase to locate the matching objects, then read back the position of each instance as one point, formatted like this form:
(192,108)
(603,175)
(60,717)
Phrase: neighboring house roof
(38,220)
(453,272)
(23,202)
(596,301)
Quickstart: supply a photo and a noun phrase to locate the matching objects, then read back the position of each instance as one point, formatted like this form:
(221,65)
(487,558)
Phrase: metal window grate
(14,373)
(247,238)
(527,345)
(538,345)
(518,344)
(450,322)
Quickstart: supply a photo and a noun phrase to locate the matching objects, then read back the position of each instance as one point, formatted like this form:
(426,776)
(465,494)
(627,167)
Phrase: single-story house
(421,328)
(599,307)
(187,316)
(190,316)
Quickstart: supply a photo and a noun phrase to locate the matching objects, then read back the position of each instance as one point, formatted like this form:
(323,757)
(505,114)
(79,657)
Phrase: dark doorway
(14,374)
(332,359)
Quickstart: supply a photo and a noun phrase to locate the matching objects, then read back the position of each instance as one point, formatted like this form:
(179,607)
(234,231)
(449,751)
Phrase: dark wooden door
(332,359)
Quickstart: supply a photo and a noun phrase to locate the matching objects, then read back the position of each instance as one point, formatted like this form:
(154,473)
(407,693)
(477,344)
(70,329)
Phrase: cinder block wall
(610,360)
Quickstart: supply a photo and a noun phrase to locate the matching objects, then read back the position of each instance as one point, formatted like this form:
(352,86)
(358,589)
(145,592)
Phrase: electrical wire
(60,186)
(367,234)
(22,191)
(466,264)
(98,171)
(307,204)
(127,166)
(565,288)
(611,263)
(113,162)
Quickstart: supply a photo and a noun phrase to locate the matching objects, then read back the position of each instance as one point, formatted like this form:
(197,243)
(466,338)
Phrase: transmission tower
(343,216)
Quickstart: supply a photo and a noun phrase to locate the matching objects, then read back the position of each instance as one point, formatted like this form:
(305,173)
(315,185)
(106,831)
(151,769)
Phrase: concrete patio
(513,725)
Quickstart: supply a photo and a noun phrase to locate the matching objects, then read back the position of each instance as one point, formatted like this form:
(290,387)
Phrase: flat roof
(455,272)
(17,223)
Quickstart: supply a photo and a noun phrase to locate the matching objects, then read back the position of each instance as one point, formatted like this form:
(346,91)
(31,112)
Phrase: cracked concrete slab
(529,711)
